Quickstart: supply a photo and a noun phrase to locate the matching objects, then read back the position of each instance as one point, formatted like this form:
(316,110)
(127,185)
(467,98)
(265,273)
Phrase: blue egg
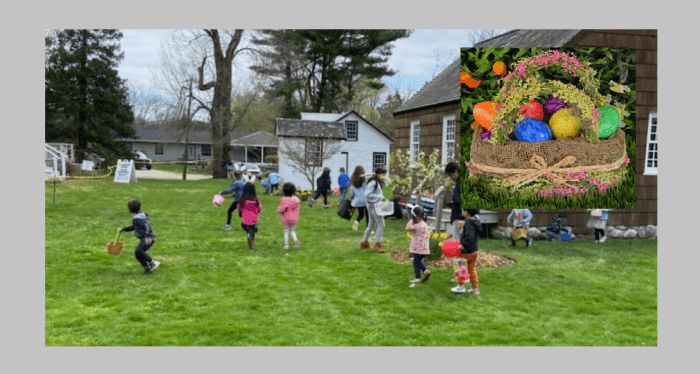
(532,130)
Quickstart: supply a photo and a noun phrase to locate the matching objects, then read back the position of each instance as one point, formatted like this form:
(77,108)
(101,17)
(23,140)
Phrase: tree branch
(200,71)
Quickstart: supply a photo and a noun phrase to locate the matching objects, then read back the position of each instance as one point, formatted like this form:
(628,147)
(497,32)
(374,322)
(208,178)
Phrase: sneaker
(146,270)
(154,265)
(458,289)
(286,247)
(227,227)
(415,280)
(529,242)
(475,291)
(413,284)
(296,244)
(354,226)
(426,275)
(597,241)
(326,206)
(311,203)
(603,239)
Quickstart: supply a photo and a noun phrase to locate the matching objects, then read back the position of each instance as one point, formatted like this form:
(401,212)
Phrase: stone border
(614,232)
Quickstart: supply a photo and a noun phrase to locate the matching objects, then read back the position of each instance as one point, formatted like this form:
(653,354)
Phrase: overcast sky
(415,59)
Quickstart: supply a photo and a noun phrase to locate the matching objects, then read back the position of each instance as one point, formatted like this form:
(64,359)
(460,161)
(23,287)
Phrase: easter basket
(576,151)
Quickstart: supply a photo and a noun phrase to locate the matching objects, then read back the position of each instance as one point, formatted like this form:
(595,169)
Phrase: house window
(379,159)
(351,130)
(206,149)
(651,157)
(159,148)
(314,150)
(449,126)
(415,141)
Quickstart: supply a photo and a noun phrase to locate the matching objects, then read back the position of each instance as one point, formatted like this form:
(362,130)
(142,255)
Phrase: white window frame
(374,160)
(652,146)
(446,135)
(313,151)
(414,146)
(357,130)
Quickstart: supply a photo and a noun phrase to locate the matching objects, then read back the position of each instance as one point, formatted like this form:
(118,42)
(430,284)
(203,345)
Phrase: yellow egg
(564,125)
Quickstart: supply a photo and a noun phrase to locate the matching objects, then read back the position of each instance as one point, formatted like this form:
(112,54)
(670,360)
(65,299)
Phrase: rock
(573,236)
(542,229)
(629,234)
(609,228)
(498,234)
(507,231)
(534,233)
(621,227)
(616,233)
(642,232)
(651,231)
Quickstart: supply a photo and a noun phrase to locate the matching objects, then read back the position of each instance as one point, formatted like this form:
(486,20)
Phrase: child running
(358,183)
(236,188)
(289,209)
(250,208)
(420,245)
(141,225)
(374,194)
(343,182)
(598,221)
(323,185)
(469,247)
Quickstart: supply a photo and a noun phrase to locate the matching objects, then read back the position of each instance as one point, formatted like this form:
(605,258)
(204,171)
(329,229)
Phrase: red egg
(536,111)
(450,248)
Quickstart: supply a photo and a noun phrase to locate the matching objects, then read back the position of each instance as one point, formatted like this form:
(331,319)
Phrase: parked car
(251,168)
(140,159)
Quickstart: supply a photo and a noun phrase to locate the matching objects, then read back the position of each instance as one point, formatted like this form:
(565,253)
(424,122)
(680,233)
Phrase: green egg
(609,122)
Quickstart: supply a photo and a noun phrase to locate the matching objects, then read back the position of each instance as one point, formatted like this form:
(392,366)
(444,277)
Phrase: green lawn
(211,290)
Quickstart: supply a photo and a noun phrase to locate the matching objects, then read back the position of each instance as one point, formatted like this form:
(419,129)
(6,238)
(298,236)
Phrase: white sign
(125,172)
(88,165)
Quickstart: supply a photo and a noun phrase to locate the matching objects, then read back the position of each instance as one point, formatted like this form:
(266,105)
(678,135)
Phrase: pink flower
(627,160)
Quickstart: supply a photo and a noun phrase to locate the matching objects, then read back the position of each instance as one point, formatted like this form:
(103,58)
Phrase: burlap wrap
(553,157)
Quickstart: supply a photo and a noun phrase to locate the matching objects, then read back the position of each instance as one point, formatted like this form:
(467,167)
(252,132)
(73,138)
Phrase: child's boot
(364,245)
(378,248)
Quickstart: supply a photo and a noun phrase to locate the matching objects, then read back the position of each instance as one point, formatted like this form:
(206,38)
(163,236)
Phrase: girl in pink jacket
(289,209)
(249,207)
(420,245)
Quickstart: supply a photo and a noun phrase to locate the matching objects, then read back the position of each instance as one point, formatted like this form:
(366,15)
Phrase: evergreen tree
(86,102)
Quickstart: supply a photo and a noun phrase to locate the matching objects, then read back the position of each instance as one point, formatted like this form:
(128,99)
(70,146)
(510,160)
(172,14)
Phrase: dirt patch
(486,260)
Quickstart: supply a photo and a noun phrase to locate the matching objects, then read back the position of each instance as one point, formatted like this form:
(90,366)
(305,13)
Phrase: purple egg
(553,105)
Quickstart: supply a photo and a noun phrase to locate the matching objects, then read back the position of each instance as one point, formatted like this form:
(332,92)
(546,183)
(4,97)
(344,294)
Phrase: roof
(531,38)
(337,117)
(445,89)
(442,89)
(259,138)
(306,128)
(195,137)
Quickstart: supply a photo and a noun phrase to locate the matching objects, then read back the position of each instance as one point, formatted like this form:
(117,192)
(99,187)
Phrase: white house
(361,143)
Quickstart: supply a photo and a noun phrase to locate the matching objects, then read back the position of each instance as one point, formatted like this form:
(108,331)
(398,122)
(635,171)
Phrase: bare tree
(308,155)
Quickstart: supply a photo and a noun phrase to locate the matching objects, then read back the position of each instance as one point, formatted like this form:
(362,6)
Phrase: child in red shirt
(250,207)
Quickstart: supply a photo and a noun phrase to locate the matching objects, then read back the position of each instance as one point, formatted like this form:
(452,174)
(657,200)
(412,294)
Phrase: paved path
(161,174)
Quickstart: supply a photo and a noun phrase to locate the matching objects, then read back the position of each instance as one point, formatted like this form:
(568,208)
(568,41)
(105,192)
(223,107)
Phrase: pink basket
(218,200)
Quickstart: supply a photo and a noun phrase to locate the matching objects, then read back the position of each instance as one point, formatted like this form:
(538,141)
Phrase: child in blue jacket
(236,188)
(343,183)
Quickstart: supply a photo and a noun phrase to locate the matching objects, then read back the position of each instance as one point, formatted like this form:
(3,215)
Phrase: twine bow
(540,168)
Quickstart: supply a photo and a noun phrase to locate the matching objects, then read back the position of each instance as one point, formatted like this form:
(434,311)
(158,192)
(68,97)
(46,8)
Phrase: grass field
(211,290)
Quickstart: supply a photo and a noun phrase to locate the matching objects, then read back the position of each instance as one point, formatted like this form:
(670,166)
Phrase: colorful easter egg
(609,121)
(484,113)
(532,130)
(564,125)
(499,68)
(532,109)
(554,104)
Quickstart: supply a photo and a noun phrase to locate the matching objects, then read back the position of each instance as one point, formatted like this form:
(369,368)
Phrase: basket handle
(119,232)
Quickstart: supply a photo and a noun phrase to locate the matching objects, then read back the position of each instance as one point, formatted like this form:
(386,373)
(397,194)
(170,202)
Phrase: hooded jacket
(289,209)
(520,217)
(141,225)
(323,183)
(470,236)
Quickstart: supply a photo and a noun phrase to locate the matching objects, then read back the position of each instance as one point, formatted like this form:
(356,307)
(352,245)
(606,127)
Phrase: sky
(415,59)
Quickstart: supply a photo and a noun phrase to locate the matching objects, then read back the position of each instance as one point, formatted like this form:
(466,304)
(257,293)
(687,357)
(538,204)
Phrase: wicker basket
(115,247)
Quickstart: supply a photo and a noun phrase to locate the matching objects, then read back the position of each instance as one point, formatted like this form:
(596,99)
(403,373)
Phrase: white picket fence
(56,155)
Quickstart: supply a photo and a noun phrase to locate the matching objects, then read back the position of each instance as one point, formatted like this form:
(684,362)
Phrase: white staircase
(56,155)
